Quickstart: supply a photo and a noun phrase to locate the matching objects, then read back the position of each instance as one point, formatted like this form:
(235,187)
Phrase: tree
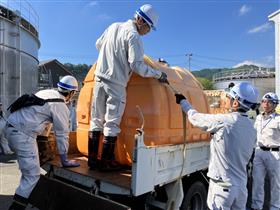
(206,83)
(78,70)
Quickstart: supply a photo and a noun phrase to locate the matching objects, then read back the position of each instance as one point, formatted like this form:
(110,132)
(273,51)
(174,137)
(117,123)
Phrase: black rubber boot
(19,203)
(108,162)
(93,143)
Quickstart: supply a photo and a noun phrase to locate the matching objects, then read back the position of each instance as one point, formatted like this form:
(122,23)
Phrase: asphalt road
(9,180)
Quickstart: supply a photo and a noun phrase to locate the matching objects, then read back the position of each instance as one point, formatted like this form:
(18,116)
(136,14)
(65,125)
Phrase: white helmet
(271,97)
(148,13)
(246,94)
(67,83)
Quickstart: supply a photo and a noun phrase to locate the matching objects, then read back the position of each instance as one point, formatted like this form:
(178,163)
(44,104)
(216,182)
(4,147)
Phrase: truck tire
(195,197)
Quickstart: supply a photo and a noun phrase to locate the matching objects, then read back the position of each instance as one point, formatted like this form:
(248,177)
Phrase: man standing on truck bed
(120,54)
(267,155)
(231,147)
(25,123)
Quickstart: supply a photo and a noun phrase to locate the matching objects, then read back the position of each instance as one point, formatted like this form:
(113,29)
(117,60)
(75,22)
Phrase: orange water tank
(162,116)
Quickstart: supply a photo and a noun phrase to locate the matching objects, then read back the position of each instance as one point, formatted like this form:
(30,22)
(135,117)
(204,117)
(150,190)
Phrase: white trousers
(26,150)
(4,146)
(107,107)
(226,198)
(266,163)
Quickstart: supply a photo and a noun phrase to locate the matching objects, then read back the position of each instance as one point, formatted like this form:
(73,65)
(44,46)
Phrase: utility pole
(189,55)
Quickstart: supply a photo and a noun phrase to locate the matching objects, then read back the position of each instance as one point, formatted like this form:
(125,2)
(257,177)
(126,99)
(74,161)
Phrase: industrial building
(50,72)
(275,17)
(262,78)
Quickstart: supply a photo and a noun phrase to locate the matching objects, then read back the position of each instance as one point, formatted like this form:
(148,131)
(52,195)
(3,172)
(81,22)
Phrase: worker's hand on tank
(68,163)
(163,78)
(179,98)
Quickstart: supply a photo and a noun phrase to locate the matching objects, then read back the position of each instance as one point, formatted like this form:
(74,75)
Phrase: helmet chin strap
(69,97)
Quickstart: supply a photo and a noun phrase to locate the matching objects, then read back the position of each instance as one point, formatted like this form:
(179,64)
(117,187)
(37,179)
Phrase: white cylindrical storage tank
(19,44)
(263,79)
(263,85)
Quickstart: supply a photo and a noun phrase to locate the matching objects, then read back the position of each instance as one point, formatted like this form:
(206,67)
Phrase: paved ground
(9,180)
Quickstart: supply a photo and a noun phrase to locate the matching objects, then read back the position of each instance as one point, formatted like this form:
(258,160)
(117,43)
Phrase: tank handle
(172,88)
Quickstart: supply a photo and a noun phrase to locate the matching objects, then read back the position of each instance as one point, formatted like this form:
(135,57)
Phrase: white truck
(165,176)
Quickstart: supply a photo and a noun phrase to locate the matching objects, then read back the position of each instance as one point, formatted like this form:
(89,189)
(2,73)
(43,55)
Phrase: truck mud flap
(51,194)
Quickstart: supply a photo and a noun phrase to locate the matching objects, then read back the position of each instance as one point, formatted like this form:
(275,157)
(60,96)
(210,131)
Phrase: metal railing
(244,74)
(22,8)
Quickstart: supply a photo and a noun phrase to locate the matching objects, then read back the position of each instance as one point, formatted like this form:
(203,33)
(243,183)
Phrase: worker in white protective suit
(26,123)
(267,154)
(231,147)
(4,146)
(120,54)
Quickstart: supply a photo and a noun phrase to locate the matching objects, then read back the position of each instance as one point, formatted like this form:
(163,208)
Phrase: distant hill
(208,73)
(81,70)
(78,70)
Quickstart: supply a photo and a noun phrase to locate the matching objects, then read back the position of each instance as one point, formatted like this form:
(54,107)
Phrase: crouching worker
(231,147)
(28,119)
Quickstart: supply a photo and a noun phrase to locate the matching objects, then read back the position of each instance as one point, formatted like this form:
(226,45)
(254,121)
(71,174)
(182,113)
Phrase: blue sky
(221,33)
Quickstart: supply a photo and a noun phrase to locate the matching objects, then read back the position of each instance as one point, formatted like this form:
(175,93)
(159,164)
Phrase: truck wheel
(195,197)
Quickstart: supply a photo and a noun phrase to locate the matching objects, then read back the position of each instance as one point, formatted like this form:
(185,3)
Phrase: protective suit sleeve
(208,122)
(135,59)
(100,40)
(186,106)
(60,116)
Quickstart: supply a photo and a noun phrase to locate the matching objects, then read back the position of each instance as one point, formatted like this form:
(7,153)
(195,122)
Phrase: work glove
(68,163)
(163,78)
(179,98)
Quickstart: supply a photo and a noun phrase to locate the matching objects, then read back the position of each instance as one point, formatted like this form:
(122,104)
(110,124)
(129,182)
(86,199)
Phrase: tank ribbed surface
(162,116)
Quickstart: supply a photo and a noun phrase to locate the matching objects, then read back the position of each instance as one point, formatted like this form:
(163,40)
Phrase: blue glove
(68,163)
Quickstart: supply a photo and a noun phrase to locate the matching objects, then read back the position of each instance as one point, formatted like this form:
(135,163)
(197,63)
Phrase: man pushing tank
(231,147)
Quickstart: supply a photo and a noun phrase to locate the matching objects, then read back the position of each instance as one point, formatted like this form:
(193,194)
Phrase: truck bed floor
(120,178)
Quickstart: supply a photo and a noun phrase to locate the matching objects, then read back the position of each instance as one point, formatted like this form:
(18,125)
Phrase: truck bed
(89,178)
(151,166)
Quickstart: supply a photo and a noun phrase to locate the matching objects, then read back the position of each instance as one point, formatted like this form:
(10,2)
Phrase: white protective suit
(4,146)
(73,118)
(267,162)
(25,125)
(231,147)
(120,53)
